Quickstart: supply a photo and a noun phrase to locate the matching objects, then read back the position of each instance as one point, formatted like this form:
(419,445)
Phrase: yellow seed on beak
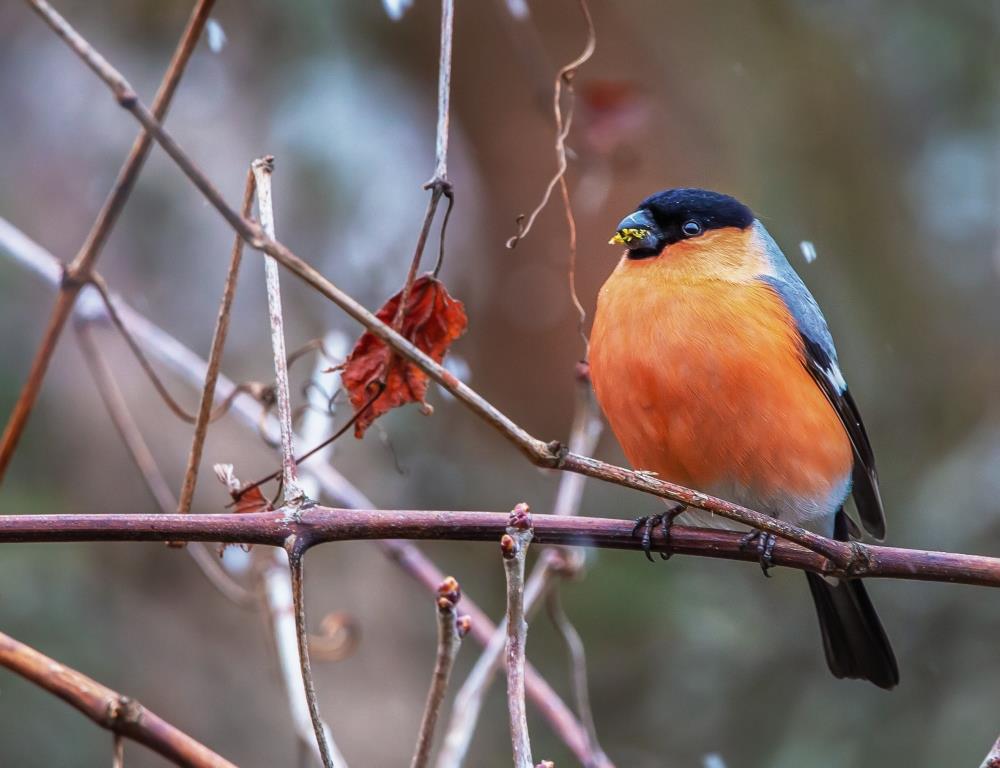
(628,235)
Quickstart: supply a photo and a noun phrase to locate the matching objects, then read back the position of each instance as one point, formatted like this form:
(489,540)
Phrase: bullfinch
(716,370)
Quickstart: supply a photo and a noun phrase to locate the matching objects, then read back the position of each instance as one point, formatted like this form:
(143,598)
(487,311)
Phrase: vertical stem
(293,496)
(117,751)
(214,360)
(449,641)
(514,548)
(78,271)
(296,549)
(444,90)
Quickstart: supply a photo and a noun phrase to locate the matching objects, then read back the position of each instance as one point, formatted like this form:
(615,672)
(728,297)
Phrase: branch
(187,365)
(214,360)
(78,271)
(585,432)
(451,629)
(514,548)
(325,524)
(551,454)
(108,709)
(292,494)
(296,547)
(577,666)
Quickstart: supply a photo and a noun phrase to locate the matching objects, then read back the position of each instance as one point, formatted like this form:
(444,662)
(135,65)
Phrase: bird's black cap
(678,214)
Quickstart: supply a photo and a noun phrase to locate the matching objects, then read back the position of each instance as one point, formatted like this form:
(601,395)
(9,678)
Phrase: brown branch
(577,666)
(293,496)
(451,630)
(108,709)
(182,361)
(214,360)
(514,548)
(324,524)
(540,453)
(584,434)
(78,271)
(296,547)
(439,184)
(117,751)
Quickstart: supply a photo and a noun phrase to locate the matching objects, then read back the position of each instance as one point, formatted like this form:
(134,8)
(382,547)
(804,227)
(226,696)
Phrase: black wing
(864,476)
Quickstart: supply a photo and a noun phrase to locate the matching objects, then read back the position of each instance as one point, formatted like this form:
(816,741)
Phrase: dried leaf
(251,500)
(432,321)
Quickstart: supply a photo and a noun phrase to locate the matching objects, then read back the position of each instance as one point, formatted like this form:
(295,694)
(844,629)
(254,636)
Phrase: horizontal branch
(326,524)
(106,707)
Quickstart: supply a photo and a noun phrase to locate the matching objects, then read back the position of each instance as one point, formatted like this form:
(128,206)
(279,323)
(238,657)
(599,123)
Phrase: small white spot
(236,560)
(808,251)
(396,8)
(713,760)
(216,36)
(518,9)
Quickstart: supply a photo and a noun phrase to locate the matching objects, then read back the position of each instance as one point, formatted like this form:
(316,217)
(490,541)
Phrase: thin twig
(142,456)
(563,77)
(451,630)
(439,185)
(214,360)
(107,708)
(173,355)
(293,496)
(514,548)
(584,434)
(577,666)
(117,751)
(281,603)
(78,271)
(295,547)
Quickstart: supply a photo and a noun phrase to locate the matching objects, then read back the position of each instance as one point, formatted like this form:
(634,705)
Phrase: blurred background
(864,132)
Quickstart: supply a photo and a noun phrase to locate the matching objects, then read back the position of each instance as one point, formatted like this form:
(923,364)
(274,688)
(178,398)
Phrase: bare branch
(577,666)
(281,609)
(214,360)
(108,709)
(118,751)
(451,630)
(324,524)
(584,434)
(296,547)
(80,268)
(514,548)
(293,496)
(182,361)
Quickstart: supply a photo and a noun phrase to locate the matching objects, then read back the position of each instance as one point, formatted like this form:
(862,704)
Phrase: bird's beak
(637,231)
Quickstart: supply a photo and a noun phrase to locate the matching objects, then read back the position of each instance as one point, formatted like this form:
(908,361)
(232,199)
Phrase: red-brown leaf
(432,321)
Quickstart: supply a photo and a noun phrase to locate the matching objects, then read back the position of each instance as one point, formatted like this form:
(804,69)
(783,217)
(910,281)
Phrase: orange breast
(703,382)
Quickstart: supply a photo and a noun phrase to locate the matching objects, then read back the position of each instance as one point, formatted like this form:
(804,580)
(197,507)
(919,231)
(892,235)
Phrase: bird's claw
(649,523)
(765,548)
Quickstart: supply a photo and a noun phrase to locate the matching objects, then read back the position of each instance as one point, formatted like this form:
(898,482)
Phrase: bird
(716,370)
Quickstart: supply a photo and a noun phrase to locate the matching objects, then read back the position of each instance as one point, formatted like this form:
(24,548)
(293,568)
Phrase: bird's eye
(691,228)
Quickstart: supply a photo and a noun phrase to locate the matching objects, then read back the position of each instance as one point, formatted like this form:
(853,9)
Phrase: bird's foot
(649,523)
(765,548)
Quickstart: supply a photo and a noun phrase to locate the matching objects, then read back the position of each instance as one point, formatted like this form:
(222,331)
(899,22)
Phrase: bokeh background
(868,129)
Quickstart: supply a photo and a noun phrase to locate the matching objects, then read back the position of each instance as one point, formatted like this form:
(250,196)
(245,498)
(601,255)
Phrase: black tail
(856,645)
